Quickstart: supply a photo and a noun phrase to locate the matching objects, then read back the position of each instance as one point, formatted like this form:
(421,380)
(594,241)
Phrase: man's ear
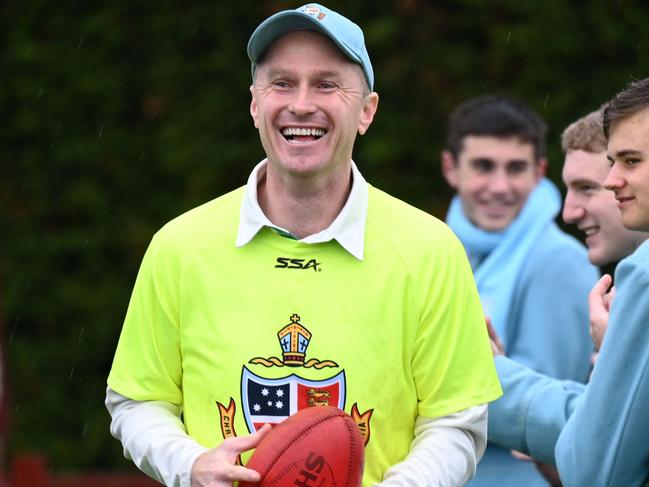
(449,168)
(253,106)
(370,105)
(541,168)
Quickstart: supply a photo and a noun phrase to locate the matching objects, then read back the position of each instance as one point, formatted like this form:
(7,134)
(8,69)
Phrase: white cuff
(444,452)
(154,437)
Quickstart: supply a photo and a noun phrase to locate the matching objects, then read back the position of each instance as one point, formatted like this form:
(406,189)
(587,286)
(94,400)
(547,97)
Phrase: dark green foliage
(119,116)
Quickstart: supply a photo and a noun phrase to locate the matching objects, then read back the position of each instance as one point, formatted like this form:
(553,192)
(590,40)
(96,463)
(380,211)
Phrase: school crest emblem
(271,400)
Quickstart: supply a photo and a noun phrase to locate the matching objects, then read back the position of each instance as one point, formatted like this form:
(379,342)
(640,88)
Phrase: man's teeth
(300,131)
(590,231)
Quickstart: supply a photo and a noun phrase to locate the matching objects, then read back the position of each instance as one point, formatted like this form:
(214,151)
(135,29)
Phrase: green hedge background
(118,116)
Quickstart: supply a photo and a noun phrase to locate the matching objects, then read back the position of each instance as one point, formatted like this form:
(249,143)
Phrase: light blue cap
(343,32)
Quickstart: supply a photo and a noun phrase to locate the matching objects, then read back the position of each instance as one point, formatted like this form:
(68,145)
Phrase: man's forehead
(492,146)
(315,41)
(288,71)
(579,164)
(635,124)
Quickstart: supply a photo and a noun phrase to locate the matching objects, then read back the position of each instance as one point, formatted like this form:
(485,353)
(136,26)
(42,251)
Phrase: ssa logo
(288,263)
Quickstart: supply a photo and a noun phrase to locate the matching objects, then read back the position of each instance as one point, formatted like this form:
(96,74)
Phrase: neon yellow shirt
(243,336)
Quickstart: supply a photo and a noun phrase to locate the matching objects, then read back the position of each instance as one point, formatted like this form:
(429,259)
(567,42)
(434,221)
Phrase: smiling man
(533,279)
(306,287)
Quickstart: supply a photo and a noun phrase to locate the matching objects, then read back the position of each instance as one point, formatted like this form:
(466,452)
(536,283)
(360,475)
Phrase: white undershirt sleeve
(154,437)
(444,452)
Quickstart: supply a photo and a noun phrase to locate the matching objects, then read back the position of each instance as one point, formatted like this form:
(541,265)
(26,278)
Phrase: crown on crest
(294,340)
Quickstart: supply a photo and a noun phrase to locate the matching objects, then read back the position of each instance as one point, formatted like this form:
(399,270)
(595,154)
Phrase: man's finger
(521,456)
(496,345)
(242,443)
(608,298)
(242,474)
(596,296)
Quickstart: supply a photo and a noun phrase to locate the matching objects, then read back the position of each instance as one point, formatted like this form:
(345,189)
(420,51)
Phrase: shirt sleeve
(147,363)
(533,410)
(154,437)
(604,442)
(452,365)
(444,452)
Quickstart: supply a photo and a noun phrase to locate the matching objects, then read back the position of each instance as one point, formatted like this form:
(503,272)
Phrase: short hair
(585,134)
(495,116)
(629,101)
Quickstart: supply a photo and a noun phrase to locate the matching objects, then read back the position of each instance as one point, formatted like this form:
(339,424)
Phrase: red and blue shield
(274,400)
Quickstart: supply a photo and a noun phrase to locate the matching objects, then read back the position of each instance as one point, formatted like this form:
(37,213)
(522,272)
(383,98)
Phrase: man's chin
(494,224)
(599,257)
(597,261)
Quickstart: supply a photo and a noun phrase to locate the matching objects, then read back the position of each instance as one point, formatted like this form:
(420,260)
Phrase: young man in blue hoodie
(596,434)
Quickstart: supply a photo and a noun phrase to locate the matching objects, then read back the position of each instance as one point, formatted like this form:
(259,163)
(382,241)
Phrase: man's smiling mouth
(302,134)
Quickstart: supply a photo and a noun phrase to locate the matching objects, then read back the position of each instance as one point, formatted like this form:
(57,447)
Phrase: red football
(316,447)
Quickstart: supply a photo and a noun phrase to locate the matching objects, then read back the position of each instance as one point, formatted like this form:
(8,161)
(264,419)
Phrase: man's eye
(280,84)
(482,165)
(517,168)
(631,162)
(325,85)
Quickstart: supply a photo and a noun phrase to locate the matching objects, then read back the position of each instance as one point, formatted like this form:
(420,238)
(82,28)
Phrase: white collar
(348,228)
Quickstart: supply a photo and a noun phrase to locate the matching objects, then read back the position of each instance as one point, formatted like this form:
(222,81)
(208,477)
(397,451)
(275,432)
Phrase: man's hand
(549,472)
(496,345)
(599,305)
(216,468)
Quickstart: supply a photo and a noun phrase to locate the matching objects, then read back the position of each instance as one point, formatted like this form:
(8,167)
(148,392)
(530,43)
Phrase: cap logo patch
(314,12)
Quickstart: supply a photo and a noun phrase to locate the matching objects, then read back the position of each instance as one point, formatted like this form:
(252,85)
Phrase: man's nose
(572,210)
(499,182)
(614,179)
(302,102)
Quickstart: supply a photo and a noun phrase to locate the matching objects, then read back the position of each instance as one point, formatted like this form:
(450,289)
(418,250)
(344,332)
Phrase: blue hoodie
(596,434)
(606,439)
